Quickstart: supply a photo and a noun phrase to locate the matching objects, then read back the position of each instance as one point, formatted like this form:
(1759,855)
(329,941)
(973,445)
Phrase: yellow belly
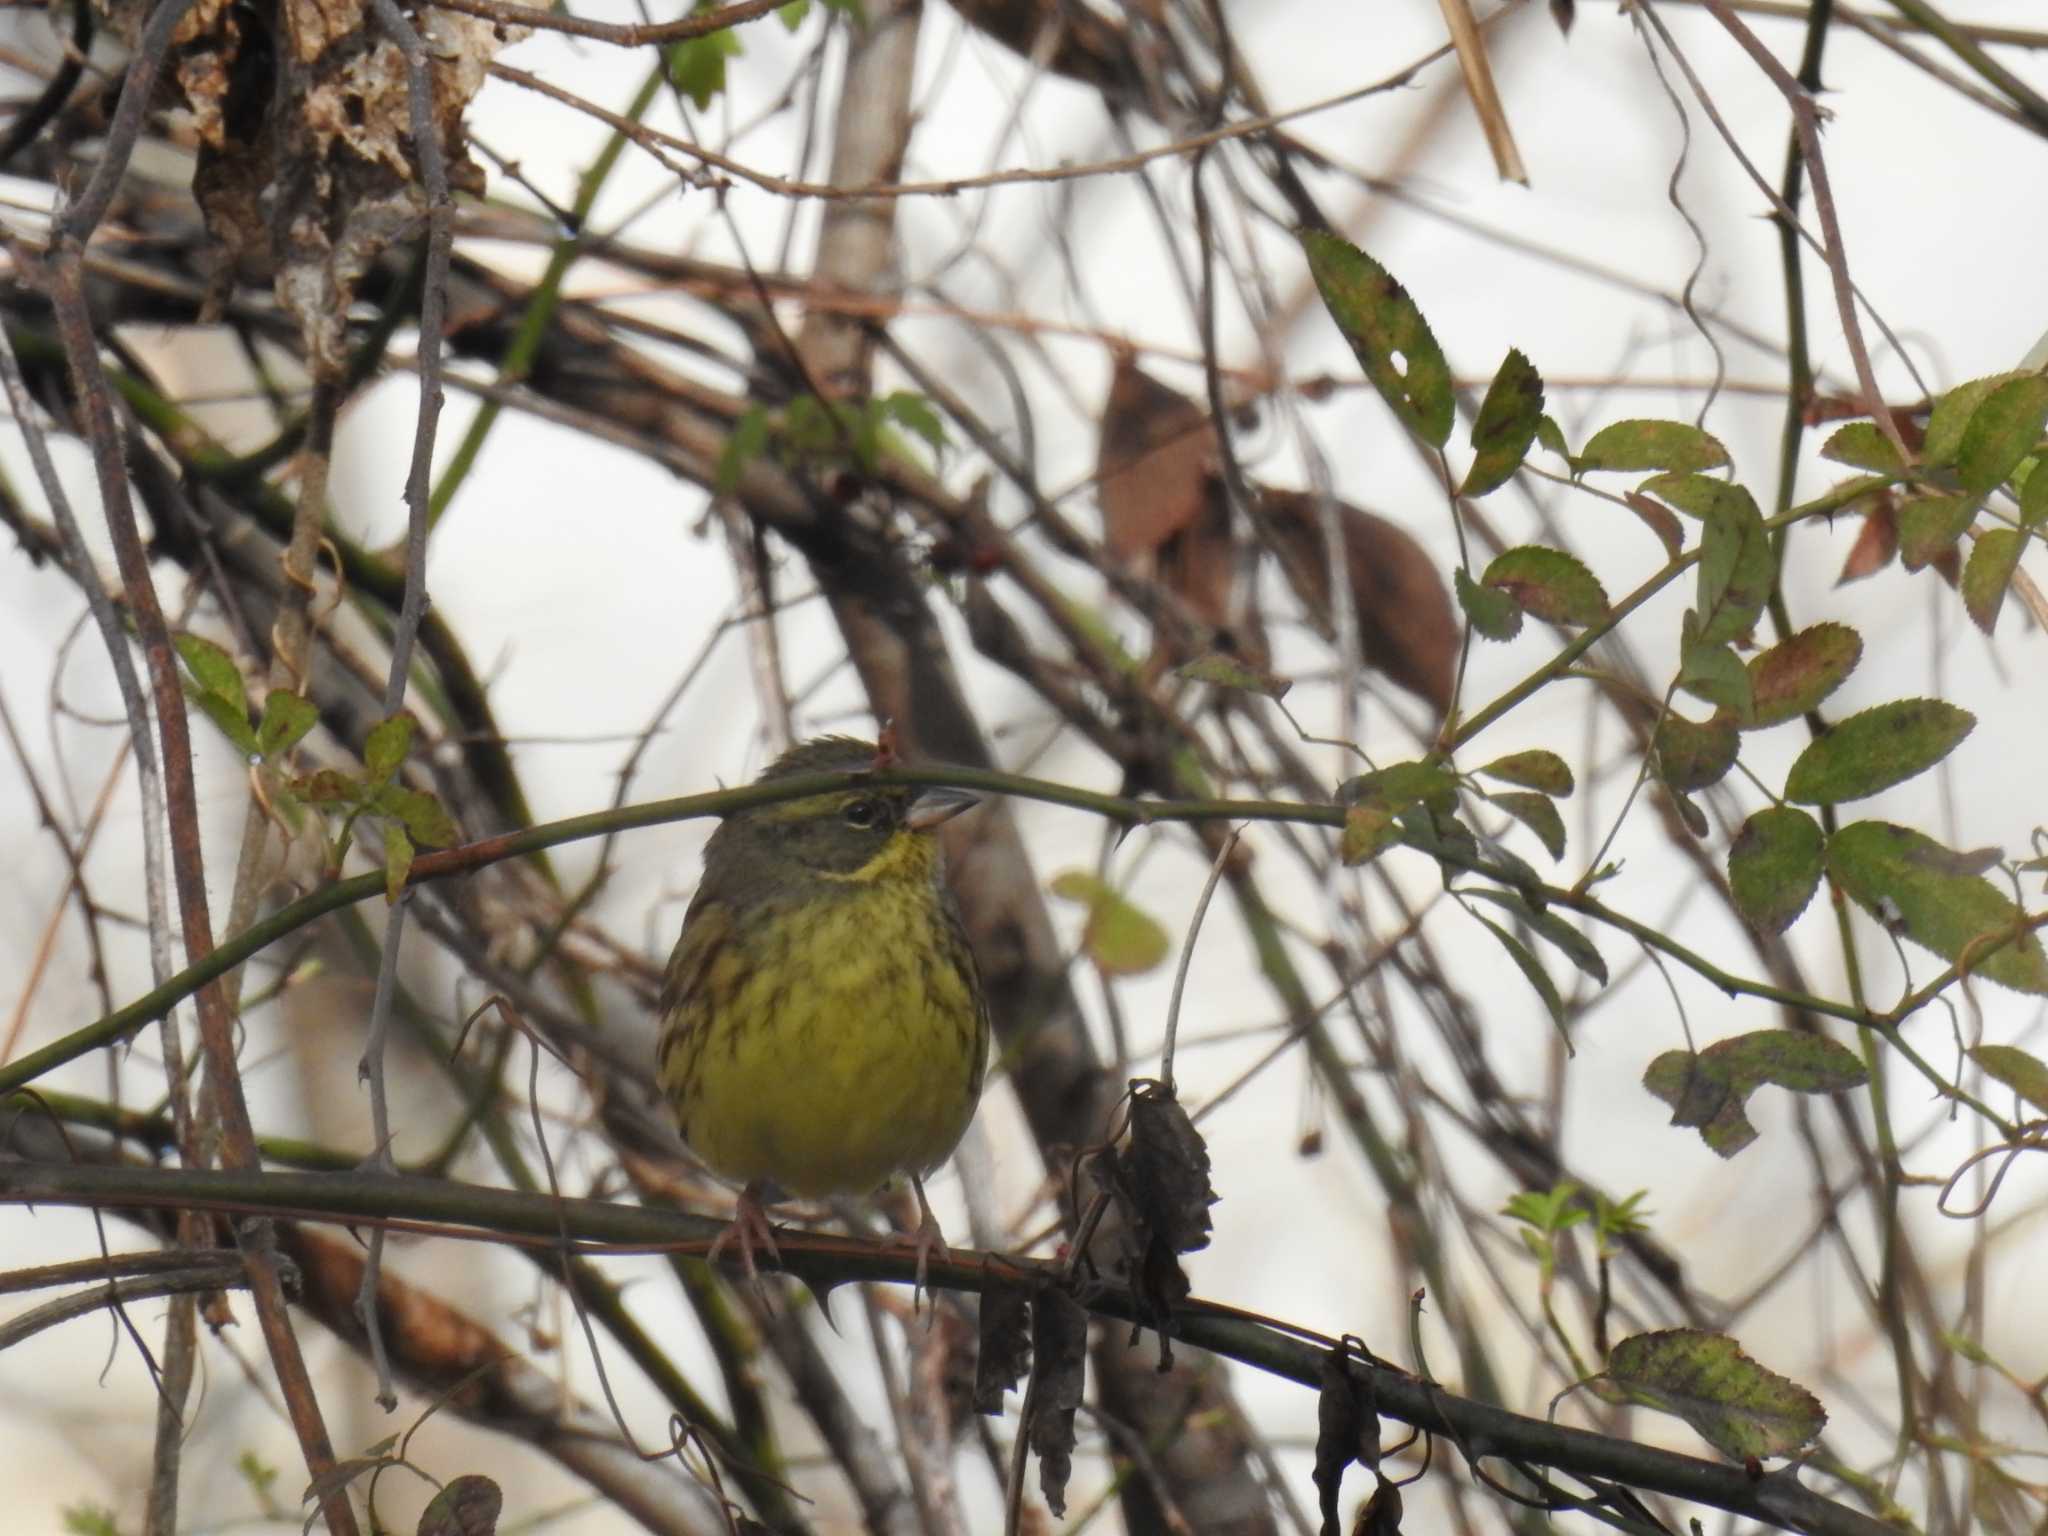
(830,1063)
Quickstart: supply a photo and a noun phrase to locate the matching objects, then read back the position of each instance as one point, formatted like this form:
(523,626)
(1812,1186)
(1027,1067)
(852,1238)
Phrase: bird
(823,1024)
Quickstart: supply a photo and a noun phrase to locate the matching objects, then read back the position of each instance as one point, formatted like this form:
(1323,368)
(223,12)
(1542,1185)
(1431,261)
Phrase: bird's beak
(935,807)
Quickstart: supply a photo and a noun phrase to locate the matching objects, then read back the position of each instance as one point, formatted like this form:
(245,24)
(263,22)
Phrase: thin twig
(1187,950)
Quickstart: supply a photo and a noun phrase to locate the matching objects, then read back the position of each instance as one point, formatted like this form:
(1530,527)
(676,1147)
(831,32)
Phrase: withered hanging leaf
(468,1506)
(1380,1515)
(1709,1090)
(1004,1351)
(1407,627)
(1167,1164)
(1345,1417)
(1059,1347)
(1163,509)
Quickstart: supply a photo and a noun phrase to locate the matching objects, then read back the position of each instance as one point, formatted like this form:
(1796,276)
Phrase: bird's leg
(750,1229)
(928,1238)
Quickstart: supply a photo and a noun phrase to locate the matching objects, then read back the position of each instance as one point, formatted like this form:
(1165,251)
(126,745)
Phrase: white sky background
(581,585)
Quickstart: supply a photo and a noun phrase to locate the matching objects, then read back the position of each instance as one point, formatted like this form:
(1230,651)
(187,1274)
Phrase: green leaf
(1794,675)
(1993,559)
(1494,615)
(1549,1211)
(1713,672)
(1694,495)
(1951,418)
(1736,568)
(1228,672)
(696,65)
(743,445)
(423,816)
(1119,937)
(1738,1407)
(1863,445)
(1643,445)
(213,669)
(1774,866)
(1551,436)
(1548,583)
(914,413)
(2034,496)
(1551,928)
(1536,769)
(1506,425)
(1709,1090)
(1399,784)
(1693,754)
(793,13)
(1876,749)
(327,786)
(2002,431)
(1369,830)
(1929,527)
(1538,814)
(1910,882)
(2024,1074)
(232,718)
(286,719)
(1670,532)
(1537,976)
(386,745)
(397,863)
(1388,335)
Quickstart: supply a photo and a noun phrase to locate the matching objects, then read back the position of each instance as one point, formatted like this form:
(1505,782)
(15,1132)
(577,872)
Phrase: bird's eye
(862,813)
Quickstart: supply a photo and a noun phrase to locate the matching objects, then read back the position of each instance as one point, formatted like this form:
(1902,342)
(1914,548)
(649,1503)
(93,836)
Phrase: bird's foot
(750,1230)
(927,1240)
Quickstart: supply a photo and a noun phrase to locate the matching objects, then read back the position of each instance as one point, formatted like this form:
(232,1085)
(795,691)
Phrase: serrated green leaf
(1387,333)
(286,719)
(1875,749)
(1538,814)
(1535,769)
(1551,436)
(1951,417)
(696,65)
(385,747)
(1929,527)
(1741,1409)
(1494,615)
(1737,567)
(1228,672)
(231,718)
(1121,938)
(426,821)
(397,863)
(1537,976)
(1694,495)
(1549,927)
(2004,429)
(1399,784)
(1548,583)
(1863,445)
(1794,675)
(2023,1073)
(1709,1090)
(1506,425)
(914,413)
(2034,496)
(213,669)
(1713,672)
(1774,866)
(1692,754)
(793,13)
(1993,558)
(1369,830)
(1910,882)
(1646,445)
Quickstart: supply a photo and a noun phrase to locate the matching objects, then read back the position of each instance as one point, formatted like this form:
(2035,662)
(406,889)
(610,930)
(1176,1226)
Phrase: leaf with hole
(1548,583)
(1798,672)
(1774,866)
(1387,333)
(1646,445)
(1914,885)
(1875,749)
(1741,1409)
(1709,1090)
(1506,425)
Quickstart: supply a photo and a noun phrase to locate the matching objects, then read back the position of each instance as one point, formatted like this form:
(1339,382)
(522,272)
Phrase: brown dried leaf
(1163,511)
(1406,624)
(1876,542)
(1167,1165)
(1005,1343)
(1059,1345)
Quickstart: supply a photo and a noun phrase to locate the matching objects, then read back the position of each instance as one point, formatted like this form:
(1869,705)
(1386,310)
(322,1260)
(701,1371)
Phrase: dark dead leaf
(1004,1352)
(1406,625)
(1163,509)
(1059,1347)
(1347,1430)
(468,1506)
(1380,1515)
(1168,1166)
